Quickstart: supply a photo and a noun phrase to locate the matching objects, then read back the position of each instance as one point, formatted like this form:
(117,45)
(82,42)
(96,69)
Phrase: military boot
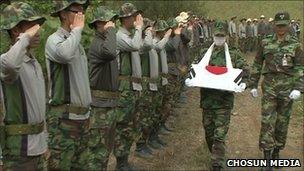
(122,164)
(276,155)
(143,151)
(155,143)
(267,156)
(216,168)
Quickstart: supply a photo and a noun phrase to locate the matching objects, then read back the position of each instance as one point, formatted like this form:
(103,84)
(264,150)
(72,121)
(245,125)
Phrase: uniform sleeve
(125,43)
(64,50)
(161,44)
(107,50)
(241,63)
(257,66)
(10,62)
(299,68)
(185,35)
(172,44)
(148,40)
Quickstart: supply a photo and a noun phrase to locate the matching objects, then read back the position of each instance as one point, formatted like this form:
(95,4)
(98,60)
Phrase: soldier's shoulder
(267,39)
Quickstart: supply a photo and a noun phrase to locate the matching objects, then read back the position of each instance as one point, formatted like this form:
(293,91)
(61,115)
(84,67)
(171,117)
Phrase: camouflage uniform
(144,107)
(283,72)
(103,74)
(23,137)
(129,86)
(217,105)
(174,73)
(70,98)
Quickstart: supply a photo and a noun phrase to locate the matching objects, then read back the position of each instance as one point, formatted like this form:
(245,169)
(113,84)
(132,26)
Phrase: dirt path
(187,149)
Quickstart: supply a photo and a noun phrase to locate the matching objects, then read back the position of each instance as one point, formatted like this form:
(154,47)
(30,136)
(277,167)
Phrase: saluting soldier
(103,72)
(69,88)
(23,135)
(129,41)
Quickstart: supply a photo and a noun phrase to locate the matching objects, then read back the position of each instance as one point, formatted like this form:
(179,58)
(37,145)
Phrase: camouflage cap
(103,13)
(172,22)
(16,12)
(161,25)
(282,18)
(219,28)
(127,10)
(60,5)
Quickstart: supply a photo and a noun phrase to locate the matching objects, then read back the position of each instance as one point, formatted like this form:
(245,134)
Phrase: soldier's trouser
(146,112)
(29,163)
(242,42)
(232,41)
(216,125)
(166,92)
(156,104)
(276,110)
(126,126)
(101,139)
(68,142)
(175,86)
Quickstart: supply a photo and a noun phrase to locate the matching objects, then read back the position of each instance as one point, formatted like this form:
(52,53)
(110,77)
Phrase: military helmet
(282,18)
(219,28)
(127,10)
(16,12)
(103,13)
(161,25)
(60,5)
(172,22)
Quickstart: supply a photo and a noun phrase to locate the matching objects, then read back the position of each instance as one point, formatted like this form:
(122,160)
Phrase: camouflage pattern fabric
(126,126)
(216,125)
(101,138)
(63,4)
(68,142)
(26,163)
(13,14)
(276,110)
(282,64)
(103,13)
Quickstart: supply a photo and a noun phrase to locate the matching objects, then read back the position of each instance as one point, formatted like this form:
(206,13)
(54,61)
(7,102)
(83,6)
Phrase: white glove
(254,93)
(240,88)
(295,94)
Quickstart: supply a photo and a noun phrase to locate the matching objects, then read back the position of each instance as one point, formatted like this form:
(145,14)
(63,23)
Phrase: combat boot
(267,156)
(143,151)
(216,168)
(163,130)
(276,155)
(154,143)
(122,164)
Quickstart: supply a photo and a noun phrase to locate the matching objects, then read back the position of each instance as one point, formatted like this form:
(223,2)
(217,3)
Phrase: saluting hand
(109,24)
(168,33)
(33,30)
(139,21)
(178,30)
(78,21)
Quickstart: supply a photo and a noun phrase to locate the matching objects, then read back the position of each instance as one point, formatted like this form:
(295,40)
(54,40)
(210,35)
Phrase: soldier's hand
(33,30)
(168,33)
(295,94)
(178,31)
(78,21)
(254,93)
(139,21)
(109,24)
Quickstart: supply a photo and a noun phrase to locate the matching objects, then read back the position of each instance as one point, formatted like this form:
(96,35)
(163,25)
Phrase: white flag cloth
(221,78)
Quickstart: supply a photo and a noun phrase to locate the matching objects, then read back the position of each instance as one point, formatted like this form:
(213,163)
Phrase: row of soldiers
(120,92)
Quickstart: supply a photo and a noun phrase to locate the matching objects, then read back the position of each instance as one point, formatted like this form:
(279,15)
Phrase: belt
(130,78)
(172,65)
(106,94)
(68,108)
(164,75)
(23,129)
(150,80)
